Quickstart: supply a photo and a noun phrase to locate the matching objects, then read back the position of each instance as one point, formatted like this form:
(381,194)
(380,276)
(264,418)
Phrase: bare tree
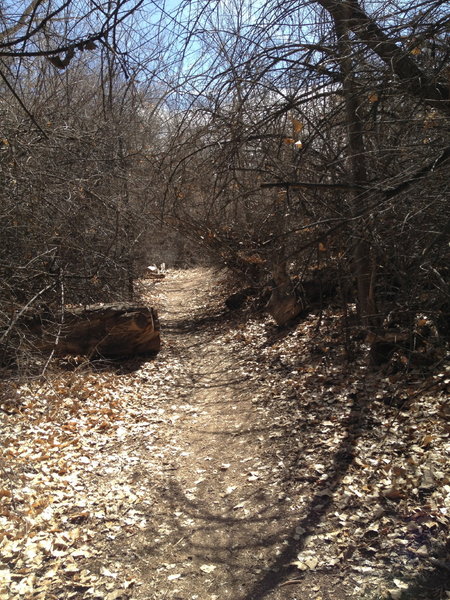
(342,113)
(79,185)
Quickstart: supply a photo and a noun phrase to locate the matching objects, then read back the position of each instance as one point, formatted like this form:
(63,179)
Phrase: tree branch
(414,80)
(22,20)
(309,184)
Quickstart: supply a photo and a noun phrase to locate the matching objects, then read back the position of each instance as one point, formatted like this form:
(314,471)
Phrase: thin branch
(19,100)
(309,184)
(22,20)
(423,172)
(21,312)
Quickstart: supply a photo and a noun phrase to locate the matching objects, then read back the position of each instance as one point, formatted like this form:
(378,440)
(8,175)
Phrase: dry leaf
(297,125)
(394,494)
(5,577)
(115,595)
(427,441)
(107,573)
(306,564)
(208,568)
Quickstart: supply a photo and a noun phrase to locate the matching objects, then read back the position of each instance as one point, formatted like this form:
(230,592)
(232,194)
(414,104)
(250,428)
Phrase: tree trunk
(283,304)
(110,330)
(415,81)
(363,263)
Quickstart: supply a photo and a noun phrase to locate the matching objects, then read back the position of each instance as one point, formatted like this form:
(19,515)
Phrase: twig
(19,100)
(20,313)
(291,582)
(61,323)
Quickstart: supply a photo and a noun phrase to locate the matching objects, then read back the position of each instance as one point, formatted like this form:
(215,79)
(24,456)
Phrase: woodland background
(301,142)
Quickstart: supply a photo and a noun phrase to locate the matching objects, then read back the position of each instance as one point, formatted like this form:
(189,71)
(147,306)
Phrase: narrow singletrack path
(221,519)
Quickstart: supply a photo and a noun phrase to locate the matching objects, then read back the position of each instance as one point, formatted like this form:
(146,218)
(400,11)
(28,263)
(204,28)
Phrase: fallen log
(283,305)
(109,330)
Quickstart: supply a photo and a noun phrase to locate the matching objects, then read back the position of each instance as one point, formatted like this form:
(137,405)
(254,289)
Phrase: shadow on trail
(209,523)
(233,532)
(212,529)
(433,584)
(263,527)
(231,540)
(197,324)
(201,380)
(318,507)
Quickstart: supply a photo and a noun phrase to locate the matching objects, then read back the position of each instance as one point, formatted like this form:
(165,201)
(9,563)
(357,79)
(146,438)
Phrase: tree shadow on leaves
(233,533)
(117,366)
(434,584)
(322,501)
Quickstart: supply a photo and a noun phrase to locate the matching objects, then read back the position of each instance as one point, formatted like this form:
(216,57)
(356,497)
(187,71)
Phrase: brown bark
(363,264)
(283,304)
(414,80)
(110,330)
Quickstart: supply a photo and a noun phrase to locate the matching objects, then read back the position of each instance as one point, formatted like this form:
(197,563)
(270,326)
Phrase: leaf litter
(341,487)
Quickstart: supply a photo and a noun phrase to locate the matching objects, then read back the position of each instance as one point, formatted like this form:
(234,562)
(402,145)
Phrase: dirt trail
(242,463)
(221,518)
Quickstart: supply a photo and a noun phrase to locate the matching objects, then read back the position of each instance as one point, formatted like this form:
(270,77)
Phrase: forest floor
(244,462)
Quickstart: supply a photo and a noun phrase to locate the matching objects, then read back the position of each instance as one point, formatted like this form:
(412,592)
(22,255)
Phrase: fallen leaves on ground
(388,511)
(359,460)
